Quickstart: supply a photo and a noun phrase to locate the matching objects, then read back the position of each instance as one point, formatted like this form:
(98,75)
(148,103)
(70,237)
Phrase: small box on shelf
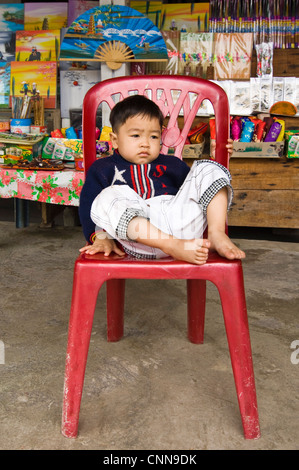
(292,140)
(258,149)
(193,150)
(16,147)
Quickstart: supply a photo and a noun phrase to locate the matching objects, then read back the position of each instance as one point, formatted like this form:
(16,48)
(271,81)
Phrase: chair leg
(196,298)
(115,289)
(236,323)
(80,325)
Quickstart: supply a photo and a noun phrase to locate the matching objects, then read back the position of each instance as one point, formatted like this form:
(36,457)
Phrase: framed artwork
(33,79)
(7,46)
(46,15)
(75,83)
(11,16)
(4,84)
(151,10)
(77,7)
(37,45)
(185,17)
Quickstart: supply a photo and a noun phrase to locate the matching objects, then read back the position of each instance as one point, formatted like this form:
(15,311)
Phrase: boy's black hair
(131,106)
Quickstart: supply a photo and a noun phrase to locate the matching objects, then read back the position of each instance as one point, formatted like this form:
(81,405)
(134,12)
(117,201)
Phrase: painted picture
(34,79)
(113,34)
(7,46)
(77,7)
(45,15)
(37,45)
(4,84)
(185,17)
(11,16)
(152,10)
(75,83)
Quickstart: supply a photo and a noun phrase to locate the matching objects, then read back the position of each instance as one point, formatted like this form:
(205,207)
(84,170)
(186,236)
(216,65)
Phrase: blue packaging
(71,133)
(247,131)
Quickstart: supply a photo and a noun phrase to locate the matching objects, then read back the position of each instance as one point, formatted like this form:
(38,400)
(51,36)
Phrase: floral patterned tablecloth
(55,187)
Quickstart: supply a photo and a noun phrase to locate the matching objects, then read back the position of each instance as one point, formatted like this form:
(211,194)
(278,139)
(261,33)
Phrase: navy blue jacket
(164,175)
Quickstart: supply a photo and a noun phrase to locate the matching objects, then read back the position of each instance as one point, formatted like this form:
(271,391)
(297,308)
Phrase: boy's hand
(102,245)
(229,147)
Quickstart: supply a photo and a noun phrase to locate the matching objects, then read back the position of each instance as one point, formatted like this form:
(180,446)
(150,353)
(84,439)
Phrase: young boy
(153,204)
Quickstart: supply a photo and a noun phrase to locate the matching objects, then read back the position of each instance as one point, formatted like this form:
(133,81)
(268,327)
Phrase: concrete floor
(153,390)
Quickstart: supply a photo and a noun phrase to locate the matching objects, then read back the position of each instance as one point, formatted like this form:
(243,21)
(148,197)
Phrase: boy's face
(138,140)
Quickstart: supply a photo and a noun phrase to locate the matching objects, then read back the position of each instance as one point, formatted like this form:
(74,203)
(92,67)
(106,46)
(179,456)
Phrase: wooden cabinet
(266,193)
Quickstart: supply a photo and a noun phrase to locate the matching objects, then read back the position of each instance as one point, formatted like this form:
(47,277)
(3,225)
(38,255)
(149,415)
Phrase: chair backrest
(177,96)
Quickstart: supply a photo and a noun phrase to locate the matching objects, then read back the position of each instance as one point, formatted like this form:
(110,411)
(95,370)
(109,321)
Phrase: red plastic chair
(92,271)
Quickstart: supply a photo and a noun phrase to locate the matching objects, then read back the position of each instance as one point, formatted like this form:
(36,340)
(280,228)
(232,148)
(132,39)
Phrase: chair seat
(166,263)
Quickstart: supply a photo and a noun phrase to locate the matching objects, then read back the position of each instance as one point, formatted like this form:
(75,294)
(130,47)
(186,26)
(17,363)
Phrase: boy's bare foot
(221,243)
(193,251)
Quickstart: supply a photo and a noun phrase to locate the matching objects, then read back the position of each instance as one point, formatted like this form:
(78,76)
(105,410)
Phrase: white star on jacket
(118,176)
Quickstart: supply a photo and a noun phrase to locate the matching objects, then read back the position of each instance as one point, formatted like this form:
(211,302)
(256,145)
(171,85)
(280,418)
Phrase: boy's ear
(113,139)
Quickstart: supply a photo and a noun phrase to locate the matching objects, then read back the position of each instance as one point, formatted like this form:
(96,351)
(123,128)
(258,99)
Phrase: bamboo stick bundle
(38,110)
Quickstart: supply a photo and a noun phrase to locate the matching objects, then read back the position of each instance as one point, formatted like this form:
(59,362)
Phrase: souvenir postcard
(240,98)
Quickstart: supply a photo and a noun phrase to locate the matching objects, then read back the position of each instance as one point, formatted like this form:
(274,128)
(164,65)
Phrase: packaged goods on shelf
(16,147)
(62,149)
(292,142)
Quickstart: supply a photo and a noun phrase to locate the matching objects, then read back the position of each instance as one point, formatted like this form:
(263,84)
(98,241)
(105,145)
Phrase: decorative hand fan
(283,108)
(113,34)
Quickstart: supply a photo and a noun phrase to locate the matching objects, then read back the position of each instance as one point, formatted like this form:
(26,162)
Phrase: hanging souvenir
(113,34)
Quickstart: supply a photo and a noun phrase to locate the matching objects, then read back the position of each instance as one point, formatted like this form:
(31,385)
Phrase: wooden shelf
(266,193)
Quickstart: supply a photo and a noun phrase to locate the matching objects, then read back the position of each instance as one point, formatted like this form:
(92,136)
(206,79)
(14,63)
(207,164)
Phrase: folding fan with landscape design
(113,34)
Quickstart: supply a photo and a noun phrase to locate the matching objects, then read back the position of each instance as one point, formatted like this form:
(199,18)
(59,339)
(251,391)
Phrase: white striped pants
(182,215)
